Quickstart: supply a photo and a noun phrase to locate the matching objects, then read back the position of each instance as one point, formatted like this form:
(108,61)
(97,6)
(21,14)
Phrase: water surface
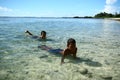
(97,40)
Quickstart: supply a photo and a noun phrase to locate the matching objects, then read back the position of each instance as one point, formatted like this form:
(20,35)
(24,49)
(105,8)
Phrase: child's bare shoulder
(66,51)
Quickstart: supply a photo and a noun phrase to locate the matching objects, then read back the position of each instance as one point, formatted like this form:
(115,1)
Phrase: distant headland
(100,15)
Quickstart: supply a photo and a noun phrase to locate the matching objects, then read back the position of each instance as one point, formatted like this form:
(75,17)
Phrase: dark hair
(43,32)
(71,40)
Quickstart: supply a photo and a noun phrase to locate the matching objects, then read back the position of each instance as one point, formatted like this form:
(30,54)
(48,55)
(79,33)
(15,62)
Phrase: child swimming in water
(42,36)
(70,50)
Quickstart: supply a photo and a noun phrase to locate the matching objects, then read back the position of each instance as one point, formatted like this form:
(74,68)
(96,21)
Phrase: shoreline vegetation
(102,15)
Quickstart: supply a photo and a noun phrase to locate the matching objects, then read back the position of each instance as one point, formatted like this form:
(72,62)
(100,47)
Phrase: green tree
(103,15)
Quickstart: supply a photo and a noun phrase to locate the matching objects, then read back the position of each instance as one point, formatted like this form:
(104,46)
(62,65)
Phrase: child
(42,36)
(70,50)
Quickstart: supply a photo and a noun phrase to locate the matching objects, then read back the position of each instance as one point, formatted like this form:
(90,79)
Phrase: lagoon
(97,40)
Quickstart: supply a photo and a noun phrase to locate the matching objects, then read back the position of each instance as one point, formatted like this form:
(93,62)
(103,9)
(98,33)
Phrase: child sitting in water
(42,36)
(70,50)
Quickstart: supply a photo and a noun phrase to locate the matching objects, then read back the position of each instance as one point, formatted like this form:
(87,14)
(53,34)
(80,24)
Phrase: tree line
(102,15)
(107,15)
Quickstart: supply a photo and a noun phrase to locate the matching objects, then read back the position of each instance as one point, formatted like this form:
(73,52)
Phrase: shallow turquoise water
(98,43)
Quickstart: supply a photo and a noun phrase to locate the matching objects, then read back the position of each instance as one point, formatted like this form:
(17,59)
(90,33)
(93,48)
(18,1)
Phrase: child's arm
(64,54)
(28,32)
(74,55)
(62,59)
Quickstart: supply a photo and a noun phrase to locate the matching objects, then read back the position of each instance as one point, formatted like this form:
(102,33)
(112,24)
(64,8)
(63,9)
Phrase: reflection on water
(98,43)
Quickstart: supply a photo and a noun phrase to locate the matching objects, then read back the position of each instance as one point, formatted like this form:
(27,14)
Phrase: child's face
(43,35)
(71,45)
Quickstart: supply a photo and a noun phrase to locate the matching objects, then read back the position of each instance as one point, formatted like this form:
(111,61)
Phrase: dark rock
(27,72)
(89,75)
(106,77)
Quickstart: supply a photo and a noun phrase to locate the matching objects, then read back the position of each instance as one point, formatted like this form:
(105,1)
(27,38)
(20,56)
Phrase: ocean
(97,40)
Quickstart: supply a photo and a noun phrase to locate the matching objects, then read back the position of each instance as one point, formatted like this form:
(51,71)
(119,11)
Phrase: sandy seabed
(35,66)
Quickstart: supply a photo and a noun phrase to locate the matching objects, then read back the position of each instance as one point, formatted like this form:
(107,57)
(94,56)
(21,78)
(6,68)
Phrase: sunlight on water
(98,43)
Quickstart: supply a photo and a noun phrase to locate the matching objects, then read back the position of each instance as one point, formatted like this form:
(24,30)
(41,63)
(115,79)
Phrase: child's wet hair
(43,32)
(71,40)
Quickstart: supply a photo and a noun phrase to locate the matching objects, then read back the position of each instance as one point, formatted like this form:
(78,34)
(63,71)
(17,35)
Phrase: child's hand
(62,63)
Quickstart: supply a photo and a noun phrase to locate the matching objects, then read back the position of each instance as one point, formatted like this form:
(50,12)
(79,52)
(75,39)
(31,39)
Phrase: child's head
(71,42)
(43,34)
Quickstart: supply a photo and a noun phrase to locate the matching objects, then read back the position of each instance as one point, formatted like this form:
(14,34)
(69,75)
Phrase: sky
(57,8)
